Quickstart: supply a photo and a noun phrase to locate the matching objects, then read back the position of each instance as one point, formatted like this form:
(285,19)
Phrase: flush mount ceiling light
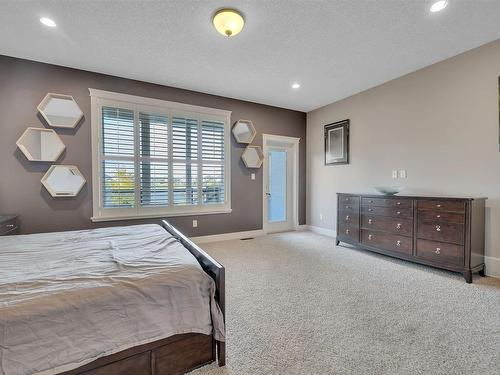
(48,22)
(228,22)
(439,6)
(295,85)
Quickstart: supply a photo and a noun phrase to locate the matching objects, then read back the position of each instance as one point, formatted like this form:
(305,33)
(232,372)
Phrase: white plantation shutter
(161,162)
(154,160)
(185,160)
(212,146)
(118,175)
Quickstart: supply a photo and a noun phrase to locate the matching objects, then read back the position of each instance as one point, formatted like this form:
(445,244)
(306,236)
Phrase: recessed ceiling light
(295,85)
(228,22)
(439,6)
(48,22)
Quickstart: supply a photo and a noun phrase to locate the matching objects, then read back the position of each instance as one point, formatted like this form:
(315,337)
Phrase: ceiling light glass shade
(228,22)
(439,5)
(48,22)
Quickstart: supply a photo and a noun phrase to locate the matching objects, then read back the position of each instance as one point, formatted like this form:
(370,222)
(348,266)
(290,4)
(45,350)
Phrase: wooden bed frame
(174,355)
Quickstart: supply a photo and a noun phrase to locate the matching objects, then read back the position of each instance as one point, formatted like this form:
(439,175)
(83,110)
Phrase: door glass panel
(277,186)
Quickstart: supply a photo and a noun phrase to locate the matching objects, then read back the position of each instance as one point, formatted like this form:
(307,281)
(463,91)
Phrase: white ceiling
(334,48)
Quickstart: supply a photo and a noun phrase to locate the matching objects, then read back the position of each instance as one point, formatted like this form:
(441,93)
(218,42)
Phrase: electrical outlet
(402,173)
(395,173)
(195,223)
(321,216)
(252,176)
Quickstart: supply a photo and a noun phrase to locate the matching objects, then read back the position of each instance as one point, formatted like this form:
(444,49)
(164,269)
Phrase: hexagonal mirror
(39,144)
(253,157)
(63,181)
(60,111)
(243,131)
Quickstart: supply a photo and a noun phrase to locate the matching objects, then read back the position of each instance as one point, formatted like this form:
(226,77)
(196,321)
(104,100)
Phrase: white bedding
(68,298)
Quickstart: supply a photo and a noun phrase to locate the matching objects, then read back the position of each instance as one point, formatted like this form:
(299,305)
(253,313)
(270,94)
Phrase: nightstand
(9,224)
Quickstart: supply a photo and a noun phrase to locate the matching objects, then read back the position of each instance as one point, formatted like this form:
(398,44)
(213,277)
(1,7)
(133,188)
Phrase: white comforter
(69,298)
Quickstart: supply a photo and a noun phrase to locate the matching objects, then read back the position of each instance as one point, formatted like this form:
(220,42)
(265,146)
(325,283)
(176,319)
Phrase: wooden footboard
(212,268)
(174,355)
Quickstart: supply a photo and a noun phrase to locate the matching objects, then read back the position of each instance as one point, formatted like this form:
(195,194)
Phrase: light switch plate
(195,223)
(402,173)
(252,176)
(395,173)
(321,216)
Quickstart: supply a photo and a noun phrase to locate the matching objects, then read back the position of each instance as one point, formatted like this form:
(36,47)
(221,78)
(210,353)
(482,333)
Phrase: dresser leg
(337,242)
(481,273)
(468,277)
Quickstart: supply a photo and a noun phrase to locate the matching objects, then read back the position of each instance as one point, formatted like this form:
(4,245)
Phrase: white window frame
(100,98)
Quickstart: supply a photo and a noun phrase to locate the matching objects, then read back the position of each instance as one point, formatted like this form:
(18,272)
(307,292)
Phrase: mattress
(68,298)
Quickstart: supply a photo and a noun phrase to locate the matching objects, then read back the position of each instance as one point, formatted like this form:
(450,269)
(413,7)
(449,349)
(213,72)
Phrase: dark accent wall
(23,84)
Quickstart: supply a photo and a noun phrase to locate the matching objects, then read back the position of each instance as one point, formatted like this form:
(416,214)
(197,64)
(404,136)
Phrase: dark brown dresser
(441,232)
(9,224)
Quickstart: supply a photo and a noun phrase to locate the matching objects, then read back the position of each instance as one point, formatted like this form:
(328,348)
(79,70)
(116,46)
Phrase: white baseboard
(301,228)
(323,231)
(492,266)
(228,236)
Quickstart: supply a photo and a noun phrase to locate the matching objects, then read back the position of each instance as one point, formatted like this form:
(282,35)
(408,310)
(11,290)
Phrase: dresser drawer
(387,224)
(440,216)
(349,218)
(348,232)
(406,213)
(444,205)
(9,227)
(387,202)
(349,207)
(441,231)
(440,252)
(349,199)
(387,241)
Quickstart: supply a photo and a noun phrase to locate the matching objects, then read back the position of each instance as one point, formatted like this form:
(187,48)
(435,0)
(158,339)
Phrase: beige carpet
(296,304)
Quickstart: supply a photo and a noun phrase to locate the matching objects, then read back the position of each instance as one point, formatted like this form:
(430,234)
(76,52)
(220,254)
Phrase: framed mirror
(253,157)
(63,181)
(60,111)
(244,131)
(39,144)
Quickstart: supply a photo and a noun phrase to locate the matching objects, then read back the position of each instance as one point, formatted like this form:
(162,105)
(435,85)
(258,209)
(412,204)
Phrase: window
(153,158)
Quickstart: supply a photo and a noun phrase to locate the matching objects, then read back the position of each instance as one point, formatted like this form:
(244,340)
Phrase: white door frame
(294,142)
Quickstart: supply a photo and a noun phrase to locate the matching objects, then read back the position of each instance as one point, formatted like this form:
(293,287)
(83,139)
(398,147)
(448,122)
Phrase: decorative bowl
(389,190)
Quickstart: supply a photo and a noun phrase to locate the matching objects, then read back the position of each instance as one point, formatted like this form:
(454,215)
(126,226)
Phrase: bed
(124,300)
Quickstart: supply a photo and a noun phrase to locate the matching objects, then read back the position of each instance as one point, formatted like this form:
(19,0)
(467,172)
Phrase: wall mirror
(253,156)
(244,131)
(63,181)
(39,144)
(60,111)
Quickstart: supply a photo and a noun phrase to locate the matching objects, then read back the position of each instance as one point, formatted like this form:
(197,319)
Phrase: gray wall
(440,123)
(23,84)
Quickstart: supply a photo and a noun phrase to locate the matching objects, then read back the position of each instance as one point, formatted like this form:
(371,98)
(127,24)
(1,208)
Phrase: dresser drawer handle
(347,218)
(398,203)
(347,231)
(398,213)
(438,216)
(347,207)
(370,201)
(370,236)
(370,209)
(398,243)
(10,226)
(438,205)
(438,228)
(398,226)
(370,221)
(438,250)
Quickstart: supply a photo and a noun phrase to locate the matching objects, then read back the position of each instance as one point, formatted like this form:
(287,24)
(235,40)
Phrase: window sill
(97,219)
